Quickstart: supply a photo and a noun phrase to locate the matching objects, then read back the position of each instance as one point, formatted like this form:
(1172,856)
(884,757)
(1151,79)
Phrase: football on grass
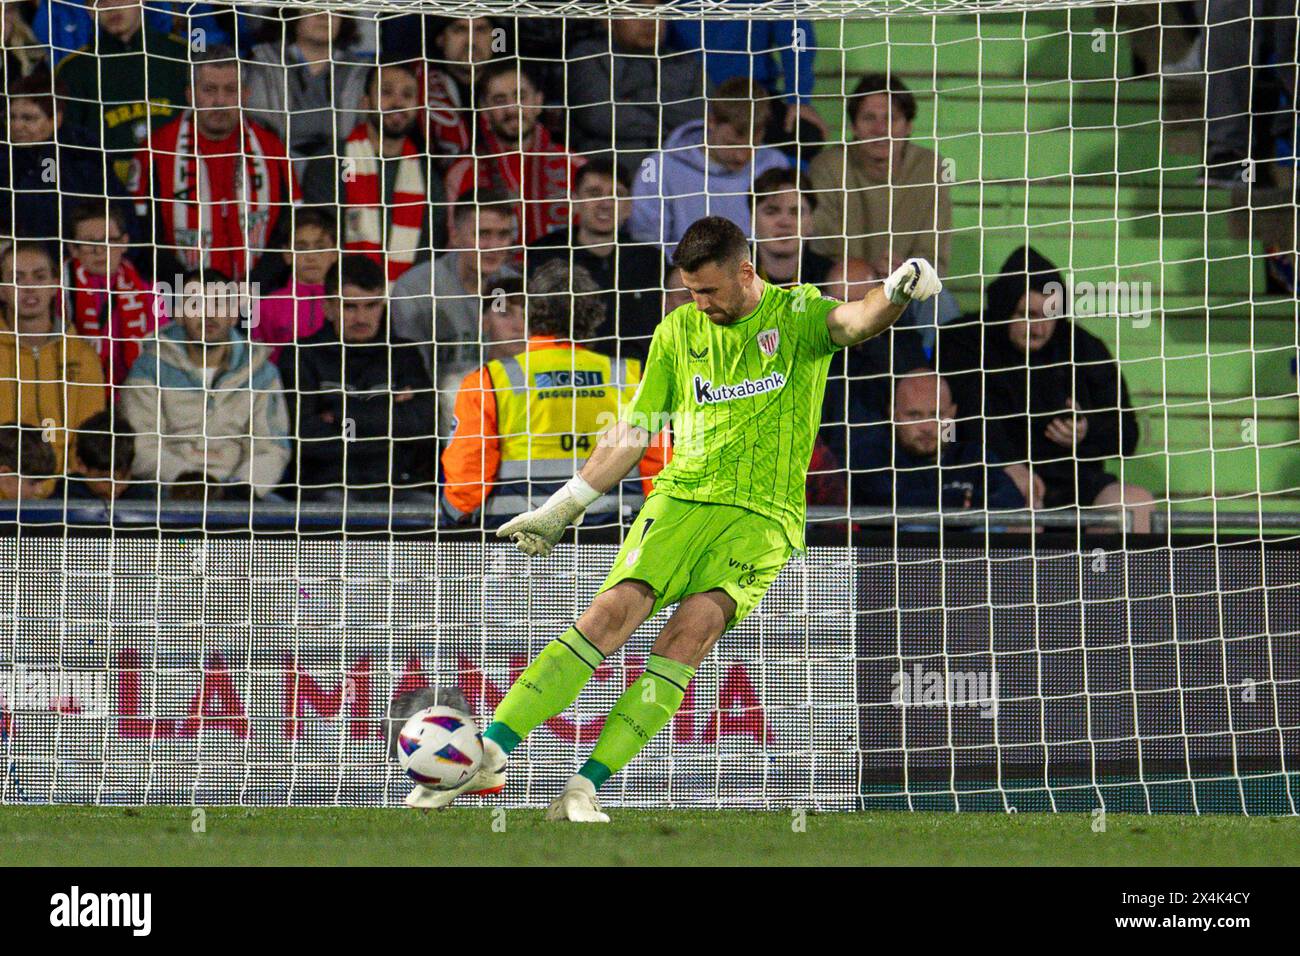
(440,747)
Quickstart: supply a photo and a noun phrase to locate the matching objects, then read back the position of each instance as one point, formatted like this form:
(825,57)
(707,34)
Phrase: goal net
(299,305)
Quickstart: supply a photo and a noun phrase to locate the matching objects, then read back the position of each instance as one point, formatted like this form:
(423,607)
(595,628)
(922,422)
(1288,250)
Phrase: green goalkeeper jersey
(744,400)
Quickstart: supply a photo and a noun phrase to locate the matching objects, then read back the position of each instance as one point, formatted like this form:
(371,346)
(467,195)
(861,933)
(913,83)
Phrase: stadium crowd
(446,232)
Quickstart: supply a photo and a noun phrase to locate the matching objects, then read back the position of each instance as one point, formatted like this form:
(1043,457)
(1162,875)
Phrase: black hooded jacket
(1008,398)
(344,409)
(42,183)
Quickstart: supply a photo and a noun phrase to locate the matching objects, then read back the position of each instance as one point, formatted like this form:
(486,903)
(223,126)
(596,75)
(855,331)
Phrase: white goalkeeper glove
(536,532)
(914,280)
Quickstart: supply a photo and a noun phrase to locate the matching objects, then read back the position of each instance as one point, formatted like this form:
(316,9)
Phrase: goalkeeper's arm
(619,450)
(854,322)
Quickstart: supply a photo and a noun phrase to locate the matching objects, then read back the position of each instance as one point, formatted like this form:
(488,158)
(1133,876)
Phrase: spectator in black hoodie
(364,402)
(1043,394)
(49,167)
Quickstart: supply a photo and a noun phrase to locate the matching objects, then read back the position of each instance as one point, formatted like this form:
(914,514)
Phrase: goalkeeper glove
(915,280)
(536,532)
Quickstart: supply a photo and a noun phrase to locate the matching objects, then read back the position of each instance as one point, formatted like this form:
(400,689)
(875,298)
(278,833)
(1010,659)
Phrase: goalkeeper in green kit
(740,371)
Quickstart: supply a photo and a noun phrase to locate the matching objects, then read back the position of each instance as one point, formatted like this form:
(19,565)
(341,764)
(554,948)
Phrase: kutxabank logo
(706,393)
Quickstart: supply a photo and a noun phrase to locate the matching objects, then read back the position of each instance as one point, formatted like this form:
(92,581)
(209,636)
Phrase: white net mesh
(298,308)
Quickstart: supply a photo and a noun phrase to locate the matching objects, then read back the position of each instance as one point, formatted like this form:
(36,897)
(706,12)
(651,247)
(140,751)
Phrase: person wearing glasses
(110,302)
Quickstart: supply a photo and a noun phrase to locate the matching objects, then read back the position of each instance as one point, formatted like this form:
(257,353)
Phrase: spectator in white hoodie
(208,406)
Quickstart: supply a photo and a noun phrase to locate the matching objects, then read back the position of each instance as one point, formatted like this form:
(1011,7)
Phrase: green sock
(639,714)
(548,685)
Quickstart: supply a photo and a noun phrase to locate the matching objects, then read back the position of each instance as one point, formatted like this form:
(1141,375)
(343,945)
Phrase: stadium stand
(1101,177)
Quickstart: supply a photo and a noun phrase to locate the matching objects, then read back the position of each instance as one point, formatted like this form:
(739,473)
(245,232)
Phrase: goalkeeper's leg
(551,683)
(555,677)
(649,703)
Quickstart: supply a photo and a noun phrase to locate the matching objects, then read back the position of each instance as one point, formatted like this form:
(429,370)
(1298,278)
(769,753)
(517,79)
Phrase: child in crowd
(111,303)
(103,453)
(27,464)
(296,311)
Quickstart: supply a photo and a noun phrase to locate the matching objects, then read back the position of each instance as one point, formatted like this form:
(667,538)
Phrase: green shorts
(683,547)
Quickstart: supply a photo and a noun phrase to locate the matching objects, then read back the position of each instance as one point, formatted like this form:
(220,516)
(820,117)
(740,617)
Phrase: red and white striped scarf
(539,175)
(449,119)
(365,213)
(218,208)
(114,314)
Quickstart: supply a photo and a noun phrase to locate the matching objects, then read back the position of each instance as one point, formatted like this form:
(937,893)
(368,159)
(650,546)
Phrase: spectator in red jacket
(514,152)
(218,181)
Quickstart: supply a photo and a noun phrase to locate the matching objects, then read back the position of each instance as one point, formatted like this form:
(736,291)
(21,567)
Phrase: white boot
(491,778)
(577,803)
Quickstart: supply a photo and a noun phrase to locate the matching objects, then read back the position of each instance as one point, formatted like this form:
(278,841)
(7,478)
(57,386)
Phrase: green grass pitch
(99,836)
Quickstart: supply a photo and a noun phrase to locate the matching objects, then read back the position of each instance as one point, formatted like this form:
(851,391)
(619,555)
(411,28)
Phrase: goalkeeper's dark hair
(873,83)
(105,444)
(564,302)
(23,451)
(713,239)
(355,269)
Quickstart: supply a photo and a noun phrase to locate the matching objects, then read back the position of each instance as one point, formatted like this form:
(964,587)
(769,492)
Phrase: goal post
(992,652)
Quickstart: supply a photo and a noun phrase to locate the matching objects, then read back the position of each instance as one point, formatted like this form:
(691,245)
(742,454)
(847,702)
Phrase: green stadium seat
(1091,172)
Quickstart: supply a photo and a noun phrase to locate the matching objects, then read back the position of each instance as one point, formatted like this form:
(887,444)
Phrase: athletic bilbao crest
(769,341)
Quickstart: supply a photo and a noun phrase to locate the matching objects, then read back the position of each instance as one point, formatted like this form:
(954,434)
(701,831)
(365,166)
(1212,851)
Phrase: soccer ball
(440,748)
